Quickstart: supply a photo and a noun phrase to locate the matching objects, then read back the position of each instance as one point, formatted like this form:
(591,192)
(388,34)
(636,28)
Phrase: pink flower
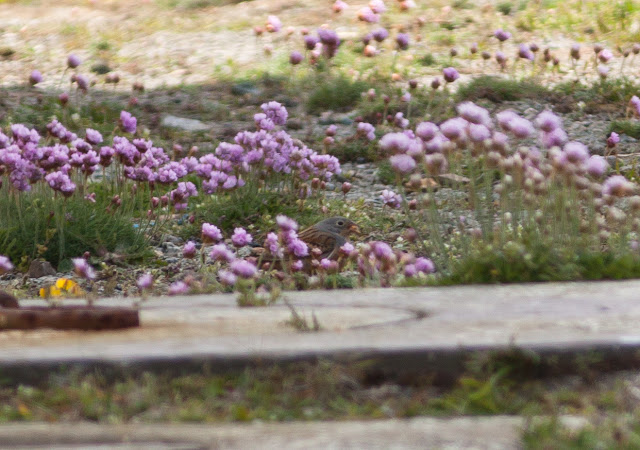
(613,139)
(339,6)
(425,265)
(178,288)
(220,252)
(189,250)
(617,185)
(295,58)
(377,6)
(210,233)
(366,130)
(473,113)
(366,14)
(83,269)
(328,265)
(395,143)
(605,55)
(596,166)
(548,121)
(521,127)
(410,270)
(240,237)
(502,35)
(426,131)
(35,77)
(5,265)
(402,164)
(145,282)
(450,74)
(227,278)
(73,61)
(634,104)
(128,123)
(348,249)
(286,224)
(391,199)
(243,269)
(273,24)
(576,152)
(454,128)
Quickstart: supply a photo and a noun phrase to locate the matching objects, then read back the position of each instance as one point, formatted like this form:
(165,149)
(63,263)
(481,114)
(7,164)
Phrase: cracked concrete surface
(429,328)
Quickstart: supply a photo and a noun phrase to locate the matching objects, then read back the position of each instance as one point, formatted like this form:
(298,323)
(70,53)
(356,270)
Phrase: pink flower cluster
(260,153)
(378,259)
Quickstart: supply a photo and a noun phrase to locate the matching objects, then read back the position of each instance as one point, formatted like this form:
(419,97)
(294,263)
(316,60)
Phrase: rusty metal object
(8,301)
(68,318)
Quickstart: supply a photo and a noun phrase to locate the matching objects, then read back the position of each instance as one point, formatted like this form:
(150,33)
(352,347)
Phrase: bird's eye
(340,223)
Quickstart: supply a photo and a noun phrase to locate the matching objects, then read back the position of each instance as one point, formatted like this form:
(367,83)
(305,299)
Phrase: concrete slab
(495,433)
(410,329)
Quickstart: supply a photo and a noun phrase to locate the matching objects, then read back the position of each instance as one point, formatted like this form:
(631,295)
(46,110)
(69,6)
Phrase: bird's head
(339,225)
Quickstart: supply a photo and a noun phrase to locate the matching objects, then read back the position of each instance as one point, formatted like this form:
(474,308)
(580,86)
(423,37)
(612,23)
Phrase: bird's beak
(355,229)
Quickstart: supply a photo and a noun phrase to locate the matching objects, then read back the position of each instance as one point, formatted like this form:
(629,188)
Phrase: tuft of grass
(252,211)
(622,433)
(427,60)
(355,150)
(335,93)
(500,90)
(531,261)
(39,228)
(610,95)
(505,8)
(197,4)
(628,127)
(385,172)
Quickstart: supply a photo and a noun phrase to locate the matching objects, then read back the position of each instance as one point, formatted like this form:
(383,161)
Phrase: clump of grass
(29,229)
(252,211)
(613,93)
(385,173)
(531,261)
(197,4)
(628,127)
(622,433)
(335,93)
(500,90)
(505,8)
(427,60)
(354,150)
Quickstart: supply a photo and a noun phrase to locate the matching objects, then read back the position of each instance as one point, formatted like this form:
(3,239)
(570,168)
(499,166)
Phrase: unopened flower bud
(410,235)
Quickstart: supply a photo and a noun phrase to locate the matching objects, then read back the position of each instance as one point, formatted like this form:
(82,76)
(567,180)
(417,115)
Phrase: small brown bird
(329,235)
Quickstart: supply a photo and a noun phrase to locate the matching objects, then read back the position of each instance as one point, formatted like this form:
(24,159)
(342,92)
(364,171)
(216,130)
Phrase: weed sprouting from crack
(300,322)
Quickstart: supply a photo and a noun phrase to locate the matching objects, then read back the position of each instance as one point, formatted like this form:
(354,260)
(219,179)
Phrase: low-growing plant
(628,127)
(337,93)
(498,90)
(530,214)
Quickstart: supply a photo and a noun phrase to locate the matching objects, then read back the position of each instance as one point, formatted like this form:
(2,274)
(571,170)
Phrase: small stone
(40,268)
(183,123)
(173,239)
(245,89)
(171,249)
(451,179)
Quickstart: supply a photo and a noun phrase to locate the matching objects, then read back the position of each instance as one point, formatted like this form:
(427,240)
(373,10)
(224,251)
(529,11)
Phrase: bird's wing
(328,242)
